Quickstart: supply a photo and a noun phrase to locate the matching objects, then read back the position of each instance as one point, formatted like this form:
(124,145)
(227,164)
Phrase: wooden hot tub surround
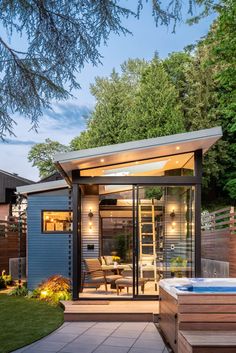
(191,311)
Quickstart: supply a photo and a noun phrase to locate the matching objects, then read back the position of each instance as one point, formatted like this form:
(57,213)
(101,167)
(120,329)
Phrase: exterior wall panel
(47,253)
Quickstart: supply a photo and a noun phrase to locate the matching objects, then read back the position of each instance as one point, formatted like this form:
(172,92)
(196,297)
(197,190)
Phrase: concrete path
(100,337)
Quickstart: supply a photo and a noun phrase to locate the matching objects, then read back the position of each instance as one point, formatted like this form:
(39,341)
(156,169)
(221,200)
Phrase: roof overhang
(136,150)
(42,187)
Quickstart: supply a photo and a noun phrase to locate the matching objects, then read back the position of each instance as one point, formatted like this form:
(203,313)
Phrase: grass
(23,321)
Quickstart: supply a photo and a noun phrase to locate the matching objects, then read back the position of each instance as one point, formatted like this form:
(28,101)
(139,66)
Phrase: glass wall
(137,235)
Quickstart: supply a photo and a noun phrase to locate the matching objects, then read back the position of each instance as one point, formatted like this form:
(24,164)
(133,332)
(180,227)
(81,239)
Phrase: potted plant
(176,265)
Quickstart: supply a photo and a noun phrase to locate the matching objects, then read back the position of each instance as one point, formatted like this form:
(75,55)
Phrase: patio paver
(100,337)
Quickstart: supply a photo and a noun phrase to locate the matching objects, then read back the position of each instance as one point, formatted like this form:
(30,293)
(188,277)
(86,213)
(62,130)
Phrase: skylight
(136,169)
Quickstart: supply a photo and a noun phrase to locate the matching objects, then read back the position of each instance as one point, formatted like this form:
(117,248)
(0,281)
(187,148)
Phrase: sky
(67,119)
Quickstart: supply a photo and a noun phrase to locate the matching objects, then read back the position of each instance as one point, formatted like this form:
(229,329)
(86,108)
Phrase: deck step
(111,317)
(124,311)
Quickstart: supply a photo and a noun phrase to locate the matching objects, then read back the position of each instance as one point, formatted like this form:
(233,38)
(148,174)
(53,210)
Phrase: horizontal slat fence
(219,242)
(219,220)
(9,243)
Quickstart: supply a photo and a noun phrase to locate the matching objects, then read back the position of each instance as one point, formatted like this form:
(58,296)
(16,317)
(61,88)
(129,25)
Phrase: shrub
(20,291)
(7,278)
(2,283)
(55,288)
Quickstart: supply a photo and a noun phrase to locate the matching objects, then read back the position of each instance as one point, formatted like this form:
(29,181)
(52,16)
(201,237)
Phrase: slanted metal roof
(136,150)
(41,187)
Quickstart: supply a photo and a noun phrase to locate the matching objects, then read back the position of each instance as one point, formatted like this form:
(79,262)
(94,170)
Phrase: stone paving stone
(149,344)
(81,348)
(98,331)
(60,337)
(119,342)
(111,349)
(126,333)
(143,350)
(113,325)
(89,340)
(150,336)
(48,345)
(33,350)
(100,337)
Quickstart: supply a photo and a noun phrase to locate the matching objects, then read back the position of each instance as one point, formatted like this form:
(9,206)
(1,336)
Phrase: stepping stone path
(100,337)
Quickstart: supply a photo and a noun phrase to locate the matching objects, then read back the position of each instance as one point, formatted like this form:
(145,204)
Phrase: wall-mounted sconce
(172,214)
(90,215)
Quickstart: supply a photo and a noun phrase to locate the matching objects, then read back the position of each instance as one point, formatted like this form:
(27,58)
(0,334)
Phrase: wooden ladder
(147,217)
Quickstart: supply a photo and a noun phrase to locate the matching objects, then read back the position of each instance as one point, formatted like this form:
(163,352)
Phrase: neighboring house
(8,184)
(135,206)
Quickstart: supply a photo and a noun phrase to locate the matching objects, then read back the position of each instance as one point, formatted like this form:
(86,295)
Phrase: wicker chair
(97,275)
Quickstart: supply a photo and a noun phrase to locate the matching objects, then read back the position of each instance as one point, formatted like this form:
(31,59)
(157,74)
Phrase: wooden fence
(223,219)
(219,243)
(10,245)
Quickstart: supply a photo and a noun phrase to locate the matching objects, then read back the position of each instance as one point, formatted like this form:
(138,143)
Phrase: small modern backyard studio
(122,217)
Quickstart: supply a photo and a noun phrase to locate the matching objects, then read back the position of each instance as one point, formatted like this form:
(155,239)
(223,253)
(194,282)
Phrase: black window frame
(55,231)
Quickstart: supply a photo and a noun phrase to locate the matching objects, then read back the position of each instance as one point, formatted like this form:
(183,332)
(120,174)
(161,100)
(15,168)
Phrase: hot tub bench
(191,312)
(207,342)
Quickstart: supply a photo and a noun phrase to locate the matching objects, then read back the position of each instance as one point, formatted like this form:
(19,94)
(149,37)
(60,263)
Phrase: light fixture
(172,214)
(177,147)
(102,160)
(177,162)
(90,215)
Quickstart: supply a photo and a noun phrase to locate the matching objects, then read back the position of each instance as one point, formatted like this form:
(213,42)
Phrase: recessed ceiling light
(177,147)
(102,160)
(177,162)
(136,162)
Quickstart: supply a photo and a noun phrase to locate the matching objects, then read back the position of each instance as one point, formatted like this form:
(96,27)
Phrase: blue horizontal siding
(48,254)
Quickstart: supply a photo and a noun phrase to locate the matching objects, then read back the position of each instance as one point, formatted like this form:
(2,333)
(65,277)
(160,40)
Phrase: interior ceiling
(149,167)
(137,154)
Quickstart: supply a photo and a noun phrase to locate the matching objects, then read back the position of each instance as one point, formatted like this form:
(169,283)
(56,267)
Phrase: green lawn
(22,321)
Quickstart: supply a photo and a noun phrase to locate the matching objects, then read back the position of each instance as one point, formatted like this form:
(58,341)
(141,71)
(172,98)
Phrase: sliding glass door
(164,235)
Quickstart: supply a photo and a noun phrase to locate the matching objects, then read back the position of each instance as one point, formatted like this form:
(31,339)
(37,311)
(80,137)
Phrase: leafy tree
(114,100)
(139,103)
(157,110)
(41,156)
(60,36)
(222,44)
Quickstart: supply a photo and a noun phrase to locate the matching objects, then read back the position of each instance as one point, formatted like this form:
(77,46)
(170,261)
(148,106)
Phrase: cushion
(103,262)
(108,260)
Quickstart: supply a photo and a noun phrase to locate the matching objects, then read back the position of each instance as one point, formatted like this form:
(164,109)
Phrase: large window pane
(56,221)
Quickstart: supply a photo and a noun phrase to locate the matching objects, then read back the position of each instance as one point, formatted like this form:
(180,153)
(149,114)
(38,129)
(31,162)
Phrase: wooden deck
(111,310)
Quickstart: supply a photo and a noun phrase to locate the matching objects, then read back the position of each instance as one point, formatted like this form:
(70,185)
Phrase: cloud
(61,124)
(17,142)
(69,115)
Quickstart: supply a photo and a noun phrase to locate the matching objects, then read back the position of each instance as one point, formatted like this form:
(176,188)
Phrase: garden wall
(10,246)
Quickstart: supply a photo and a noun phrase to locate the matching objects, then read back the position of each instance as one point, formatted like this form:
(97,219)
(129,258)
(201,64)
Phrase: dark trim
(76,276)
(63,173)
(198,173)
(54,231)
(141,180)
(134,236)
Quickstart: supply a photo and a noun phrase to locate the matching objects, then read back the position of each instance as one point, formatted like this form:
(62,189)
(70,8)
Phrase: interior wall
(90,227)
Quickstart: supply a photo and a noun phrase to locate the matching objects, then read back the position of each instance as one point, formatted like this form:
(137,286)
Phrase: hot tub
(196,304)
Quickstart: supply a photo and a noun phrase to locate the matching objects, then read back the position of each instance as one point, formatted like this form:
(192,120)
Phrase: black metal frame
(77,180)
